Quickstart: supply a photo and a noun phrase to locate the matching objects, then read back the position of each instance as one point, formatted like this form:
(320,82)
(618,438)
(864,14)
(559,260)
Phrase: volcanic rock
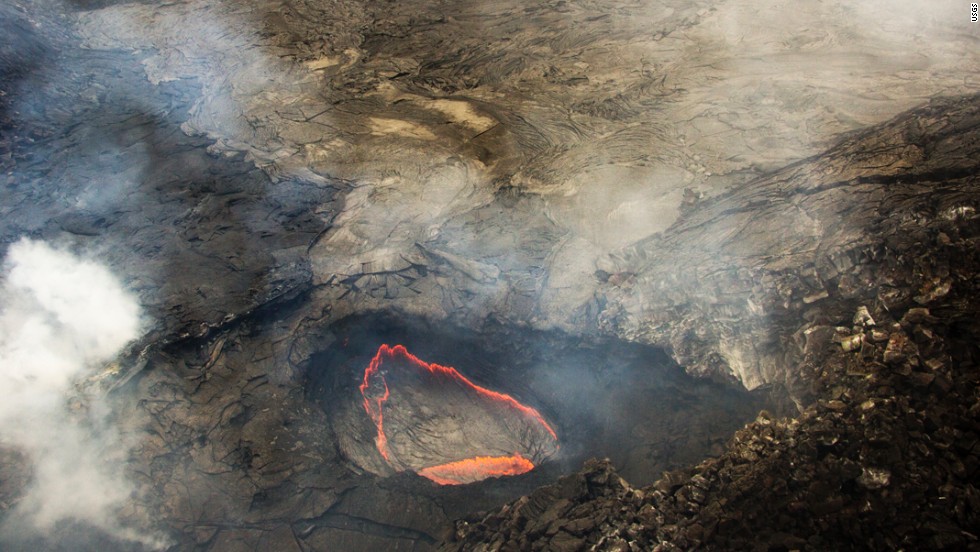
(633,190)
(872,463)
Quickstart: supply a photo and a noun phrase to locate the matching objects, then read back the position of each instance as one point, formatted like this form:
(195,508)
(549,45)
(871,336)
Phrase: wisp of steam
(61,319)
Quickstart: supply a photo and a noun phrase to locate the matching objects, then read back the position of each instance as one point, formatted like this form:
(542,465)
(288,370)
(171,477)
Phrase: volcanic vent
(433,420)
(459,406)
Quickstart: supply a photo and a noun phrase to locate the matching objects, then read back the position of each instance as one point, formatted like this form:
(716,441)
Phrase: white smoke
(62,319)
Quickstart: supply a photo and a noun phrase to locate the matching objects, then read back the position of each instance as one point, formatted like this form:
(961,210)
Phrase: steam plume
(62,317)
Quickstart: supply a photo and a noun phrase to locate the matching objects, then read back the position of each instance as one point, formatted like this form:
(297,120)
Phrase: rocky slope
(885,457)
(561,197)
(884,451)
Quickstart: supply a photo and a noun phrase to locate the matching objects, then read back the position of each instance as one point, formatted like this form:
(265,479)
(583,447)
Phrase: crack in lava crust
(463,407)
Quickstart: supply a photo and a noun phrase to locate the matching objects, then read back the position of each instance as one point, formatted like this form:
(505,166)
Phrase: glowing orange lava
(476,469)
(374,390)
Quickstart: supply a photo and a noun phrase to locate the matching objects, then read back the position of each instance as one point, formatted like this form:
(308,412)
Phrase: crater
(457,406)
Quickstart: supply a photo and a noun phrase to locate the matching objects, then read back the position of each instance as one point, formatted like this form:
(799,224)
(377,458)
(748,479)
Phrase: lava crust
(435,421)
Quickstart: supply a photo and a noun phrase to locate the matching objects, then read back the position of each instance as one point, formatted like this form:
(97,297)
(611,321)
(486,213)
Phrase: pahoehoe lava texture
(646,220)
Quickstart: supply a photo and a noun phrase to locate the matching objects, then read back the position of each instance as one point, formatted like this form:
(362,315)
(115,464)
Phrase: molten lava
(477,469)
(447,428)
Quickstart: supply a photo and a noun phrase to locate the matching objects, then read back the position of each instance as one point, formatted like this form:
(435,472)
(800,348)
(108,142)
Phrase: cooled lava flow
(435,421)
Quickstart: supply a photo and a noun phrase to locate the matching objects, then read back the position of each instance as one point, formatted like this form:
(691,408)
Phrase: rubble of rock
(883,455)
